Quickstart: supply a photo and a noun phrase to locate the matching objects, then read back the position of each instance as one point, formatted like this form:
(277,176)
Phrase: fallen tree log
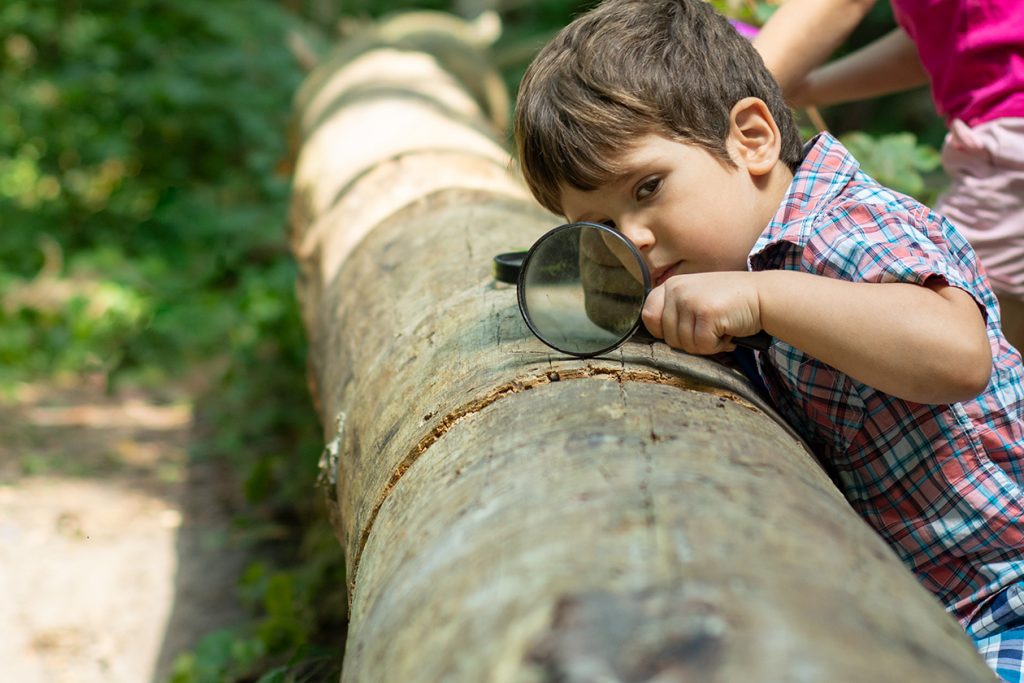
(511,515)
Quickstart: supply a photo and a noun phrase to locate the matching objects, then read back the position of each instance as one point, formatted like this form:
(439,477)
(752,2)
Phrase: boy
(657,118)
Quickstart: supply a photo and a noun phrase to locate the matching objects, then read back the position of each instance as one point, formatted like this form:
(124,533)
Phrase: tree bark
(511,515)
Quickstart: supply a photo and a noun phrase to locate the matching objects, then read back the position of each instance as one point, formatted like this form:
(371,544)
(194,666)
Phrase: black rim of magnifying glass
(521,290)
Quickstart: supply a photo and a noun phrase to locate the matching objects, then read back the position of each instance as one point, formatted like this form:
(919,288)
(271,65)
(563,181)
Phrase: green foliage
(142,233)
(896,160)
(80,322)
(292,605)
(221,655)
(150,132)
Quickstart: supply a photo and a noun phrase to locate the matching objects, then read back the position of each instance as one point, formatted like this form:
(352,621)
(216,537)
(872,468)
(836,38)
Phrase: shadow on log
(511,515)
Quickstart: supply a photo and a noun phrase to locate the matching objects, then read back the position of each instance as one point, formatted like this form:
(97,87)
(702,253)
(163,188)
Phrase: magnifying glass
(582,287)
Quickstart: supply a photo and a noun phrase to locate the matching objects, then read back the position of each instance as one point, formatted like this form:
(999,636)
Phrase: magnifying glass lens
(575,292)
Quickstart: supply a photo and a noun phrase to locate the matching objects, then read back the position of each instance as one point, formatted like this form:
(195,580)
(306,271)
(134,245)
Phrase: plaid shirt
(943,484)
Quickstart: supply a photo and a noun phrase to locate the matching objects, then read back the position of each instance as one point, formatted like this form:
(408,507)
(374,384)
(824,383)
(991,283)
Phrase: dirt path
(116,553)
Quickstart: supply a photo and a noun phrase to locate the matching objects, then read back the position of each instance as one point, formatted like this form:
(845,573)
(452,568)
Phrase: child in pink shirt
(972,54)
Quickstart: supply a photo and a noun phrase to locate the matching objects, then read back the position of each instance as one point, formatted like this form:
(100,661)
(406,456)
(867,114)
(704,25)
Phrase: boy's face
(684,209)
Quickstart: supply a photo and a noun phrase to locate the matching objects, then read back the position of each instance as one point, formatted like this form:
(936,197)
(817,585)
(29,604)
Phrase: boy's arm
(801,35)
(926,344)
(889,64)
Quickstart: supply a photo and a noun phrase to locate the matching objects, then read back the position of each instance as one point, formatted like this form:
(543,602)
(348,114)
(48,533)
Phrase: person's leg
(985,202)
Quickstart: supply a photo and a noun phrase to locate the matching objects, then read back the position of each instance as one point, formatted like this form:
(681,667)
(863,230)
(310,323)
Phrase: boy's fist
(702,312)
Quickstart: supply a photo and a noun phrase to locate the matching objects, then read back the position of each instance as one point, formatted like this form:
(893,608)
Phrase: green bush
(142,232)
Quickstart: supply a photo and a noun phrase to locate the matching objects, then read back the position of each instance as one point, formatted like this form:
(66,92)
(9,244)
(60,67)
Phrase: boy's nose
(638,234)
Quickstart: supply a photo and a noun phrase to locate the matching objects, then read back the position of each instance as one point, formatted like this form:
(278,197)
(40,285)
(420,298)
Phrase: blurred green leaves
(142,217)
(151,128)
(896,160)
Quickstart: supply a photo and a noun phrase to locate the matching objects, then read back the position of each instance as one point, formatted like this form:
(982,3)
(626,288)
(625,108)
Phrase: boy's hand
(701,313)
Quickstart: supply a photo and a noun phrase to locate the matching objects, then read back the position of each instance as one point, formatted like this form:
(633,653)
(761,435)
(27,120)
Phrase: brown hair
(629,68)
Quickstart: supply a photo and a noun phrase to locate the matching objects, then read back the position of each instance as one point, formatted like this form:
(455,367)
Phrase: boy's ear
(754,141)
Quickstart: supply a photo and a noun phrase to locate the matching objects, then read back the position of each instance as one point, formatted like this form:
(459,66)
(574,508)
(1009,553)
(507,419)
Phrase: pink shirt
(973,50)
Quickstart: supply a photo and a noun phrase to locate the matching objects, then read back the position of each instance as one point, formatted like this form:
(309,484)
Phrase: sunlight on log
(359,179)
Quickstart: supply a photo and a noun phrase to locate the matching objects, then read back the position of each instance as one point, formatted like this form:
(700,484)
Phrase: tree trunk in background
(511,515)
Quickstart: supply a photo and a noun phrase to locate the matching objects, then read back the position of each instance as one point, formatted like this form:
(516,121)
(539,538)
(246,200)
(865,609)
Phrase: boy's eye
(647,188)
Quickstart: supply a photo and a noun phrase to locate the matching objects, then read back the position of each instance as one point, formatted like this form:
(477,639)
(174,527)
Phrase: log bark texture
(511,515)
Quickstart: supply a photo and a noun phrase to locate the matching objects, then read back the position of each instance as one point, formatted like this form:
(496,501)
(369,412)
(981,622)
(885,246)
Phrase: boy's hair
(629,68)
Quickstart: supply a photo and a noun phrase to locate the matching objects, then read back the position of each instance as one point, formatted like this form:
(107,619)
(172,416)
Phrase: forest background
(143,192)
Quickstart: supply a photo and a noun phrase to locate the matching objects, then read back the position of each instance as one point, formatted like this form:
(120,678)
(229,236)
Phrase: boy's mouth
(659,275)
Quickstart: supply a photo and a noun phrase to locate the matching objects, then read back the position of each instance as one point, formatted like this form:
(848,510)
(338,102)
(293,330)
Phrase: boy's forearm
(802,34)
(890,64)
(922,344)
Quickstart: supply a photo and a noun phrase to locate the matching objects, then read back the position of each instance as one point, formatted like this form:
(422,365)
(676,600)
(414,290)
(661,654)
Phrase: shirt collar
(825,171)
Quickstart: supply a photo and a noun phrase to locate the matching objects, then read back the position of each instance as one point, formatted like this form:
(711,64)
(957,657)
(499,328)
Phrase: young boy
(657,118)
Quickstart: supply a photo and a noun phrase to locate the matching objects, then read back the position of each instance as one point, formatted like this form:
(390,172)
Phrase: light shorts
(985,200)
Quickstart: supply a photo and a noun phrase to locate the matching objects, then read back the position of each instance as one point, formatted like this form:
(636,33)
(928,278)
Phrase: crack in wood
(620,374)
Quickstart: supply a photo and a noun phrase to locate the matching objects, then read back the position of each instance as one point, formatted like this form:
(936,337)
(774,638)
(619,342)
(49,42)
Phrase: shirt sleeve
(872,243)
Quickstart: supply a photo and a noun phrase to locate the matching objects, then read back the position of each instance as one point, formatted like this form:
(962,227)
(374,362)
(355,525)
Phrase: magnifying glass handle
(758,342)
